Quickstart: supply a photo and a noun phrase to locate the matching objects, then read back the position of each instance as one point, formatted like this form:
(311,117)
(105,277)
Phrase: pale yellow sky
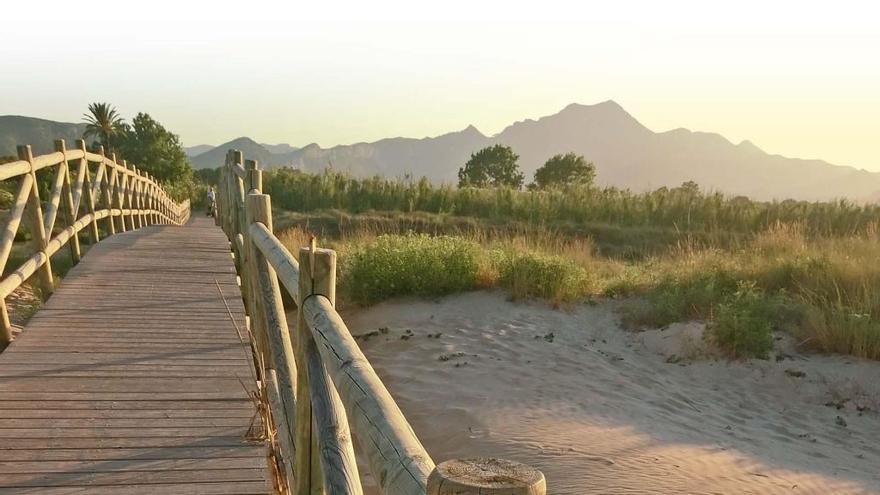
(797,78)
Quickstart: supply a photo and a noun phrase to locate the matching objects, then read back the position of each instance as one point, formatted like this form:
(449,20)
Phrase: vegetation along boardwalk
(133,377)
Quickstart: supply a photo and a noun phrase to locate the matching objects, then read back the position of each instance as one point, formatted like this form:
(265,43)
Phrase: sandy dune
(603,410)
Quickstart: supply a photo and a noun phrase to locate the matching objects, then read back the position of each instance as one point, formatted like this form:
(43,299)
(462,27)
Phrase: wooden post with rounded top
(136,189)
(86,192)
(255,176)
(67,203)
(128,194)
(108,191)
(485,476)
(149,196)
(38,232)
(249,283)
(119,192)
(317,275)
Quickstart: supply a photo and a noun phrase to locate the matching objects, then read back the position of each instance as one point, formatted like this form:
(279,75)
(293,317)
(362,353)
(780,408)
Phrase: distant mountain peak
(602,105)
(471,130)
(749,146)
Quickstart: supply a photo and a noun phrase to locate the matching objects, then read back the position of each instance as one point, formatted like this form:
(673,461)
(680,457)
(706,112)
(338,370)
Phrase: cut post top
(485,476)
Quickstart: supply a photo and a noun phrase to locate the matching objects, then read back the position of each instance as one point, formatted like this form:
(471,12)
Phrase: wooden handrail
(318,382)
(394,448)
(115,192)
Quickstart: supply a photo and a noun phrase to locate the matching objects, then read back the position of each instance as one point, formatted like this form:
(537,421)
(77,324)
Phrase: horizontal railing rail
(319,386)
(85,188)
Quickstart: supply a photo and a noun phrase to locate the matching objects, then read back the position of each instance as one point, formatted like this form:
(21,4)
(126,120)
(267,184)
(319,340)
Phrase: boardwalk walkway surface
(132,378)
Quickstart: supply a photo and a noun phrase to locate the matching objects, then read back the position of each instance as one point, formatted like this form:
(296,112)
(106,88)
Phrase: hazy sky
(796,78)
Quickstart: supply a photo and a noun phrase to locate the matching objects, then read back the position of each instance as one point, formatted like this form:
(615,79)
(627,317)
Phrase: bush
(742,325)
(677,298)
(6,199)
(535,275)
(412,264)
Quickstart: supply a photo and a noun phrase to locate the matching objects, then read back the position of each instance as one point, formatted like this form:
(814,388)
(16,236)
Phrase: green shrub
(412,264)
(6,199)
(743,323)
(536,275)
(677,298)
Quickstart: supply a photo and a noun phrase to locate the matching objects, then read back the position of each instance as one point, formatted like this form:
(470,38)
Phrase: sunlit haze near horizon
(800,79)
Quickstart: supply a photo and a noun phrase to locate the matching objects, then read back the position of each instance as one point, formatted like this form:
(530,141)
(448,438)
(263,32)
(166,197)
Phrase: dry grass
(821,289)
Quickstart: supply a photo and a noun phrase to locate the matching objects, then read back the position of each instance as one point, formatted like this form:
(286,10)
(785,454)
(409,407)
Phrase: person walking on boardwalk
(211,204)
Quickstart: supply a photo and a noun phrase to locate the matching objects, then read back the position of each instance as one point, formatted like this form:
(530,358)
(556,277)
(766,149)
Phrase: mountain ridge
(39,133)
(626,154)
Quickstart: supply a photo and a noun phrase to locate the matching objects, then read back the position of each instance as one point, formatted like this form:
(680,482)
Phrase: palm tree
(104,123)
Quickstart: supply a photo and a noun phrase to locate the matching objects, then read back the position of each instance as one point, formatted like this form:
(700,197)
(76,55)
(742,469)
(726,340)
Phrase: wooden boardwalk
(132,378)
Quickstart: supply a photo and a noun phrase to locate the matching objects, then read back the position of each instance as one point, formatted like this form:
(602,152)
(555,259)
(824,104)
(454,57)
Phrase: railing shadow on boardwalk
(319,386)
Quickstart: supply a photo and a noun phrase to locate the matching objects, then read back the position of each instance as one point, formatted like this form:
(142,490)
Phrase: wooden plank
(237,394)
(98,432)
(158,443)
(117,454)
(13,480)
(194,422)
(122,385)
(117,405)
(134,464)
(229,412)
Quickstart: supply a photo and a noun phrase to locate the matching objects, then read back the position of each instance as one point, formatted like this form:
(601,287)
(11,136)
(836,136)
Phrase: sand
(600,409)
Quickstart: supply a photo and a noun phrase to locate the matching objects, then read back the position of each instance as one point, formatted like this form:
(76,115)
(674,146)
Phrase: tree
(565,169)
(492,166)
(105,124)
(153,149)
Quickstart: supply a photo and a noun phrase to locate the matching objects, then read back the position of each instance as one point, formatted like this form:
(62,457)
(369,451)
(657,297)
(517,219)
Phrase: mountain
(625,152)
(252,150)
(198,149)
(39,133)
(279,149)
(628,154)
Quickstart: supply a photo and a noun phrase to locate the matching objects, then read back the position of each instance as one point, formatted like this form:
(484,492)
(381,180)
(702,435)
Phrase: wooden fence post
(248,284)
(255,176)
(485,476)
(317,275)
(67,202)
(148,198)
(16,213)
(266,296)
(280,417)
(5,325)
(35,214)
(128,193)
(87,190)
(108,186)
(135,200)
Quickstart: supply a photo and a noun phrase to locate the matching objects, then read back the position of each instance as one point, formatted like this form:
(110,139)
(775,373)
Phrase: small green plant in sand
(531,274)
(742,323)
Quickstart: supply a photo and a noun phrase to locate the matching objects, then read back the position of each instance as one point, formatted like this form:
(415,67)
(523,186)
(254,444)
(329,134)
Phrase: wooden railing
(113,192)
(318,385)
